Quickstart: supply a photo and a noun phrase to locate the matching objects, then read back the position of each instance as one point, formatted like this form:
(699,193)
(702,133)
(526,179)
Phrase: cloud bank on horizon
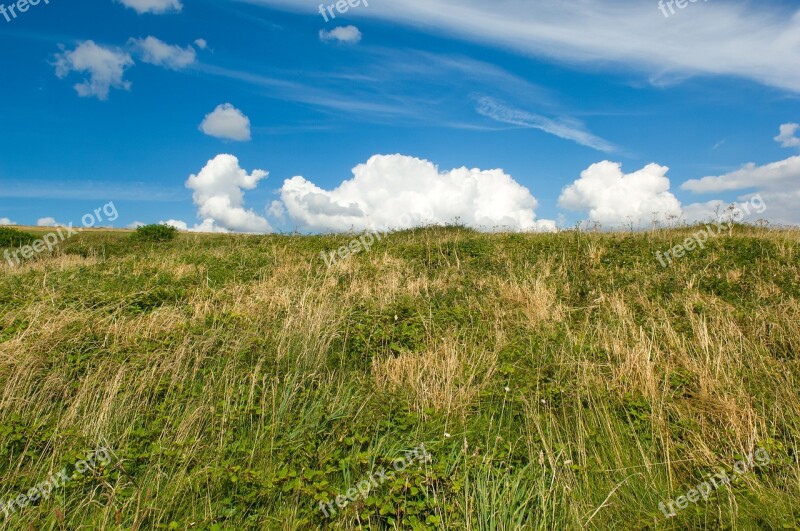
(391,191)
(399,192)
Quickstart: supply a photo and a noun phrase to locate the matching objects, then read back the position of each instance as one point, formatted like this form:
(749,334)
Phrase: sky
(265,116)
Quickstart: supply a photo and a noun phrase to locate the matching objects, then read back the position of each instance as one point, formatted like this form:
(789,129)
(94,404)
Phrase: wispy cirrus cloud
(564,127)
(411,87)
(94,190)
(759,41)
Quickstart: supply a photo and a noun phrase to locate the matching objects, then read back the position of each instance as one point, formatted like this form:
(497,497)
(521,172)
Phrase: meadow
(556,381)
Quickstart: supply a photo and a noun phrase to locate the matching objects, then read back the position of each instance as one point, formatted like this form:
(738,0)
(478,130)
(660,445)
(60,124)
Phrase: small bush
(156,233)
(14,238)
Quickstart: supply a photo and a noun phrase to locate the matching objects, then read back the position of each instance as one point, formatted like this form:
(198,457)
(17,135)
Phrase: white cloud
(344,34)
(178,224)
(226,122)
(752,40)
(153,6)
(708,211)
(277,210)
(614,199)
(201,44)
(105,68)
(220,200)
(135,225)
(778,183)
(777,176)
(156,52)
(397,192)
(567,128)
(781,206)
(48,222)
(788,136)
(6,221)
(208,225)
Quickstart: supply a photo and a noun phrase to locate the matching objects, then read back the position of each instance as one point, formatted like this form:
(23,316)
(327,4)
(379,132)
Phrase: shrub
(14,238)
(156,233)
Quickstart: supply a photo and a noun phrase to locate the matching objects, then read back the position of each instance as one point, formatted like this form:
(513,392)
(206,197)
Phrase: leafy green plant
(156,233)
(14,238)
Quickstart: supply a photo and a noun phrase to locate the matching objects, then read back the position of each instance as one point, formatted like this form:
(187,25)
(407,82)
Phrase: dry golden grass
(446,378)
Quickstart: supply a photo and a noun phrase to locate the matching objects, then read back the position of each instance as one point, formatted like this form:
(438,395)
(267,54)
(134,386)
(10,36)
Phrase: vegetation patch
(11,238)
(557,381)
(156,233)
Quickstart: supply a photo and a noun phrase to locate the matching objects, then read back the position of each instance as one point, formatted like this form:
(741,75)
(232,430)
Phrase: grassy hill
(560,381)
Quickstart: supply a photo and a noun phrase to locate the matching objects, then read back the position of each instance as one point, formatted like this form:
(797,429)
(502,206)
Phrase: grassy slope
(239,381)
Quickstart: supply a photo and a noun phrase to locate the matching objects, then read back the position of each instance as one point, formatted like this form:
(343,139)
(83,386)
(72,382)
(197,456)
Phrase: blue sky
(104,100)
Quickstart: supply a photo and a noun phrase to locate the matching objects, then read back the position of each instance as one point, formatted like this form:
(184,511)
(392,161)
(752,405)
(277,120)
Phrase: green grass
(11,238)
(561,381)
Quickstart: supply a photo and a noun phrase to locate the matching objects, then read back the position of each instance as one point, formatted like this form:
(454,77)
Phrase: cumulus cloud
(343,34)
(153,6)
(277,210)
(105,68)
(156,52)
(226,122)
(614,199)
(6,221)
(48,222)
(201,44)
(567,128)
(178,224)
(788,137)
(208,225)
(218,194)
(398,192)
(135,225)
